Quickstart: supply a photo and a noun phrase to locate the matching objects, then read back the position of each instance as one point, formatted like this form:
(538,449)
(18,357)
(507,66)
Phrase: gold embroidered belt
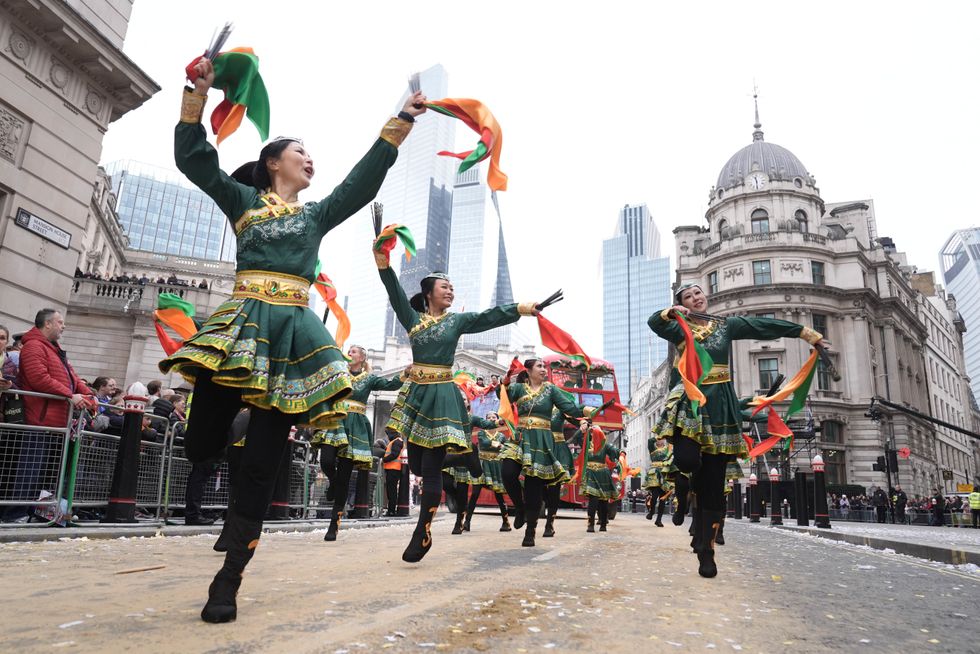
(488,456)
(272,287)
(559,436)
(351,406)
(426,373)
(718,374)
(531,422)
(596,465)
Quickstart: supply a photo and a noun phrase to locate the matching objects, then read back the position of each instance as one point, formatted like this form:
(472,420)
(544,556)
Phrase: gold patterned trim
(271,287)
(526,308)
(425,321)
(810,336)
(718,374)
(489,456)
(424,373)
(530,422)
(274,207)
(595,465)
(352,406)
(559,436)
(395,131)
(192,107)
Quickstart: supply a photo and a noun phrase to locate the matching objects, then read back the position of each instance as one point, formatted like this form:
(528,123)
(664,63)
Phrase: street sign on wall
(42,228)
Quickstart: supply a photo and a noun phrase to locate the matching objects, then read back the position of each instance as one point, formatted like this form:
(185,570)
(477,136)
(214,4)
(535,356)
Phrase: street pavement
(634,588)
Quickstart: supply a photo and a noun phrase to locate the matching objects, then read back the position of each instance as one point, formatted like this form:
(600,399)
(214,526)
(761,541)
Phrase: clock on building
(757,181)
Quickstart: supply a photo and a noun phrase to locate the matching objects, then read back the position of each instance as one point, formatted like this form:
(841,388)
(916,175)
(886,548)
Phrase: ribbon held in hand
(236,72)
(328,292)
(177,314)
(385,241)
(477,117)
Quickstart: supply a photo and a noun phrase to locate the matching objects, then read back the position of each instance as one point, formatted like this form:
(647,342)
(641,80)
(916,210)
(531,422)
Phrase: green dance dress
(534,409)
(661,465)
(461,474)
(353,440)
(265,340)
(430,411)
(718,425)
(490,445)
(562,451)
(597,477)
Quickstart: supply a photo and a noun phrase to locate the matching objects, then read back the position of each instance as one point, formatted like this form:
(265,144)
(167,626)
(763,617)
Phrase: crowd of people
(143,279)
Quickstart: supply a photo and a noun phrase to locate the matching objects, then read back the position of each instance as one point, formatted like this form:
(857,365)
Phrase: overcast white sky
(606,103)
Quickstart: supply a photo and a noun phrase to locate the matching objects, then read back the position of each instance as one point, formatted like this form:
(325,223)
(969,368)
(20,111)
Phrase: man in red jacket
(44,368)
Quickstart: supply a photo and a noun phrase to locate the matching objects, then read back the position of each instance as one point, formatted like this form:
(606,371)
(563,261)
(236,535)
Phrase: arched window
(760,221)
(722,227)
(801,218)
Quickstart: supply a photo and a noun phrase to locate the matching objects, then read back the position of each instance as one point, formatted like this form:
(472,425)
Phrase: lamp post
(821,516)
(776,515)
(755,499)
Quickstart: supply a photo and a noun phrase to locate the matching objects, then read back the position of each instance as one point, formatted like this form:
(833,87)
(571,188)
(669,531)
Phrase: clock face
(757,181)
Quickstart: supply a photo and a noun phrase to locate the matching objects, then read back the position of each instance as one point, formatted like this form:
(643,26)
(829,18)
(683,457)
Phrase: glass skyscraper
(959,261)
(417,192)
(635,283)
(478,259)
(162,212)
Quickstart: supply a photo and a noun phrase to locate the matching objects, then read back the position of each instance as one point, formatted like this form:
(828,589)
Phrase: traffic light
(893,459)
(880,465)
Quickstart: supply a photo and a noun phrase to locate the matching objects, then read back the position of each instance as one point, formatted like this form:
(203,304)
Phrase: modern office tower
(959,261)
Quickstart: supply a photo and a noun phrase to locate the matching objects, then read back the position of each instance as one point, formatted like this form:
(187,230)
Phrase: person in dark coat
(938,509)
(880,501)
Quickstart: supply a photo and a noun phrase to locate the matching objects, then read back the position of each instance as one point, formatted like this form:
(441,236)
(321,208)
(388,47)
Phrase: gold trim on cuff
(192,107)
(526,308)
(395,131)
(665,314)
(810,336)
(381,260)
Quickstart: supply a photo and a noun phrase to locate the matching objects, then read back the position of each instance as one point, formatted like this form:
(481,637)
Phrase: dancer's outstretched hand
(415,105)
(205,76)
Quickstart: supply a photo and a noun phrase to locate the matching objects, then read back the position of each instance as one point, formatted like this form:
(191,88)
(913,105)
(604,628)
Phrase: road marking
(547,556)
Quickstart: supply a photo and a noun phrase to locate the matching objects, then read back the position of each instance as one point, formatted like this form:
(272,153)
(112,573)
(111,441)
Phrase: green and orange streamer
(328,292)
(477,117)
(693,364)
(176,313)
(392,234)
(798,387)
(236,72)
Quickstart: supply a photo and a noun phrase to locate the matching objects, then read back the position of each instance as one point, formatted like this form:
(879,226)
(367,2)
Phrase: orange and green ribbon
(560,341)
(506,411)
(236,72)
(328,292)
(477,117)
(799,388)
(176,313)
(385,241)
(693,365)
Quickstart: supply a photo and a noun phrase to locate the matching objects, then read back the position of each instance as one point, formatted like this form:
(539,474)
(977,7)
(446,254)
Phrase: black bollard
(125,475)
(737,494)
(802,512)
(279,507)
(362,507)
(775,516)
(730,500)
(755,498)
(404,492)
(821,516)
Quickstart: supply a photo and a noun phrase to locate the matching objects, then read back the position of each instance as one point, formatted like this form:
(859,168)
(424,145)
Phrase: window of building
(768,371)
(823,376)
(820,323)
(834,470)
(816,270)
(801,218)
(722,226)
(713,282)
(760,221)
(766,314)
(831,432)
(761,273)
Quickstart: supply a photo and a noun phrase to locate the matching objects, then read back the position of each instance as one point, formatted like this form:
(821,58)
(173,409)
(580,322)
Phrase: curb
(42,534)
(918,550)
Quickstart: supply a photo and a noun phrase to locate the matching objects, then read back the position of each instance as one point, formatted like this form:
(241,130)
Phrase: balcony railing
(117,297)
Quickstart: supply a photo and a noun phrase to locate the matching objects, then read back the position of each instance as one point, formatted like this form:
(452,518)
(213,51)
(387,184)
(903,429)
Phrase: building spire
(757,134)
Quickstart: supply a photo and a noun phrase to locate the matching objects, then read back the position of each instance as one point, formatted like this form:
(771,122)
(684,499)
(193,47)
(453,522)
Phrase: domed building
(770,246)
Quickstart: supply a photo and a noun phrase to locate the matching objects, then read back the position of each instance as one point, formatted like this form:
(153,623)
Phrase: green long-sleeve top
(365,383)
(490,442)
(272,235)
(540,403)
(716,338)
(476,422)
(434,340)
(596,456)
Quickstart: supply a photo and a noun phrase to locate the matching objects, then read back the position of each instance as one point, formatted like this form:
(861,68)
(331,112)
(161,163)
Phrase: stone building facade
(773,247)
(63,80)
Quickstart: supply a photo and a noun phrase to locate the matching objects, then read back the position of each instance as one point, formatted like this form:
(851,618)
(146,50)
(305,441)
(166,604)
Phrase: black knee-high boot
(660,510)
(511,471)
(422,537)
(533,489)
(505,525)
(552,494)
(710,523)
(682,485)
(342,474)
(603,514)
(460,493)
(241,537)
(651,504)
(471,506)
(328,464)
(720,536)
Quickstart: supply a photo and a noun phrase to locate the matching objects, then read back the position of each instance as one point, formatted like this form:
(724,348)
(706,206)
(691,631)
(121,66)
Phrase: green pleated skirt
(432,415)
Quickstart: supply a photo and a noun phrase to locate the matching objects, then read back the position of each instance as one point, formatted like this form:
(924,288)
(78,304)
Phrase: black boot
(331,534)
(591,527)
(466,522)
(695,530)
(529,533)
(458,527)
(505,524)
(549,527)
(603,514)
(660,512)
(422,537)
(681,486)
(221,545)
(710,522)
(242,537)
(650,506)
(720,538)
